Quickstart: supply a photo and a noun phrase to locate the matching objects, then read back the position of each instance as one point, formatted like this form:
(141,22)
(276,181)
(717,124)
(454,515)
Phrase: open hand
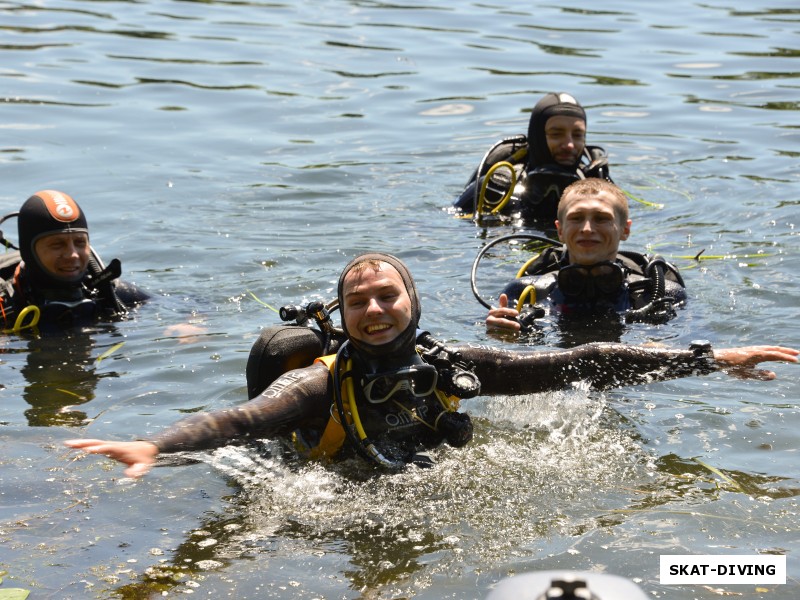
(739,362)
(503,317)
(139,456)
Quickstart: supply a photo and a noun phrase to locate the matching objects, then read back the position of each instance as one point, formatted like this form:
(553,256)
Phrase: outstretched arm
(503,371)
(739,362)
(299,398)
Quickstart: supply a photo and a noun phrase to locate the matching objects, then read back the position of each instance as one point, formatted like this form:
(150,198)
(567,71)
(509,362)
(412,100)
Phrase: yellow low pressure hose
(20,323)
(528,291)
(506,197)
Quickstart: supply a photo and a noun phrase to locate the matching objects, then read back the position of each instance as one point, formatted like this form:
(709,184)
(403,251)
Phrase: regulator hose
(487,247)
(517,139)
(358,437)
(659,309)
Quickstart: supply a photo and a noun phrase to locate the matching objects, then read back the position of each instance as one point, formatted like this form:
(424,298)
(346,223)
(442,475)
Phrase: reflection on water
(61,371)
(505,493)
(227,148)
(542,468)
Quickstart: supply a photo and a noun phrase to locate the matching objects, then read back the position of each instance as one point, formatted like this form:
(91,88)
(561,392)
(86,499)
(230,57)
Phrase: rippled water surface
(233,154)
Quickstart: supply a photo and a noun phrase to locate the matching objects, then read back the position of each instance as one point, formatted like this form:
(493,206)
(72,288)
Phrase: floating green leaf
(725,478)
(642,200)
(14,594)
(108,352)
(63,391)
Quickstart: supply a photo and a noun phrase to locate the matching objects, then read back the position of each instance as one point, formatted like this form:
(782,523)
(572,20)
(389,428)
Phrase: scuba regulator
(451,379)
(456,377)
(528,311)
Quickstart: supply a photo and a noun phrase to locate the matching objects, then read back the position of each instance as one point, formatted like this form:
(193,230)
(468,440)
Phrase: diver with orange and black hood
(57,279)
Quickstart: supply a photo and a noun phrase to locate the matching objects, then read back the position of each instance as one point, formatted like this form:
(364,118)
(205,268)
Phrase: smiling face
(591,225)
(566,138)
(377,307)
(64,256)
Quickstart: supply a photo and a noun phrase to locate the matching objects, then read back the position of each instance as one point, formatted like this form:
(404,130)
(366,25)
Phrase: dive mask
(589,281)
(55,311)
(418,380)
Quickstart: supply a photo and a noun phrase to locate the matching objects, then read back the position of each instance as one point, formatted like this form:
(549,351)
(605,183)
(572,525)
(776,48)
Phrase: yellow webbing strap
(518,155)
(333,436)
(450,403)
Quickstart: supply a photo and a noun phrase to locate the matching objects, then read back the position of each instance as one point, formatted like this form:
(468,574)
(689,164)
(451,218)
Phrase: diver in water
(589,276)
(553,155)
(56,279)
(390,392)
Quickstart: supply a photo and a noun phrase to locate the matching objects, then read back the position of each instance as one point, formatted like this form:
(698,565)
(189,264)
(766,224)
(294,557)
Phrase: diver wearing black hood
(397,411)
(403,345)
(379,305)
(57,272)
(553,155)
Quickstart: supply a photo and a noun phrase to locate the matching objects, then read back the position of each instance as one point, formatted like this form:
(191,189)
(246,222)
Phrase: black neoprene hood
(551,105)
(403,343)
(46,213)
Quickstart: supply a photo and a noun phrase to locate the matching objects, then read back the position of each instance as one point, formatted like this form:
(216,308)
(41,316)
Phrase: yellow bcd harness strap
(334,434)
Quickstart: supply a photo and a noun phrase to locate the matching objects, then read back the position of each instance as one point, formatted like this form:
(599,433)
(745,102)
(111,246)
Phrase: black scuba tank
(278,349)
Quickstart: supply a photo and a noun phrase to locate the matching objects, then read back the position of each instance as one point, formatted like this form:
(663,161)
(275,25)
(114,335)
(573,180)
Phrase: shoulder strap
(642,264)
(102,278)
(597,165)
(512,149)
(549,260)
(635,262)
(328,361)
(334,434)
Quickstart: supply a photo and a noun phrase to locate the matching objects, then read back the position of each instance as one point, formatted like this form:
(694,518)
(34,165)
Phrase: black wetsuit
(302,398)
(78,305)
(539,186)
(639,289)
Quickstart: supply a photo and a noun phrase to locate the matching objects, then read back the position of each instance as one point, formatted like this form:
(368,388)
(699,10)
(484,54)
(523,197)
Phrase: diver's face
(65,256)
(590,227)
(566,138)
(377,307)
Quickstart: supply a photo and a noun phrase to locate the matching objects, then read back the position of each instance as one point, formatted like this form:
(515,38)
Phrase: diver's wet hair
(593,186)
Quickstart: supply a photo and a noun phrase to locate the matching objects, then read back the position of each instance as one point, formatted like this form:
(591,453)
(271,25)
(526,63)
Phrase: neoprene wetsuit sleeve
(298,398)
(129,294)
(602,365)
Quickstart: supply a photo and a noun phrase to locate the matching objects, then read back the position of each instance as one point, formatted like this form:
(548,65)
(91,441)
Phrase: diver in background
(553,155)
(57,271)
(56,287)
(588,276)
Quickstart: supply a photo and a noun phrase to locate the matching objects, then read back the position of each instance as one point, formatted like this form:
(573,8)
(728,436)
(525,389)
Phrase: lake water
(236,152)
